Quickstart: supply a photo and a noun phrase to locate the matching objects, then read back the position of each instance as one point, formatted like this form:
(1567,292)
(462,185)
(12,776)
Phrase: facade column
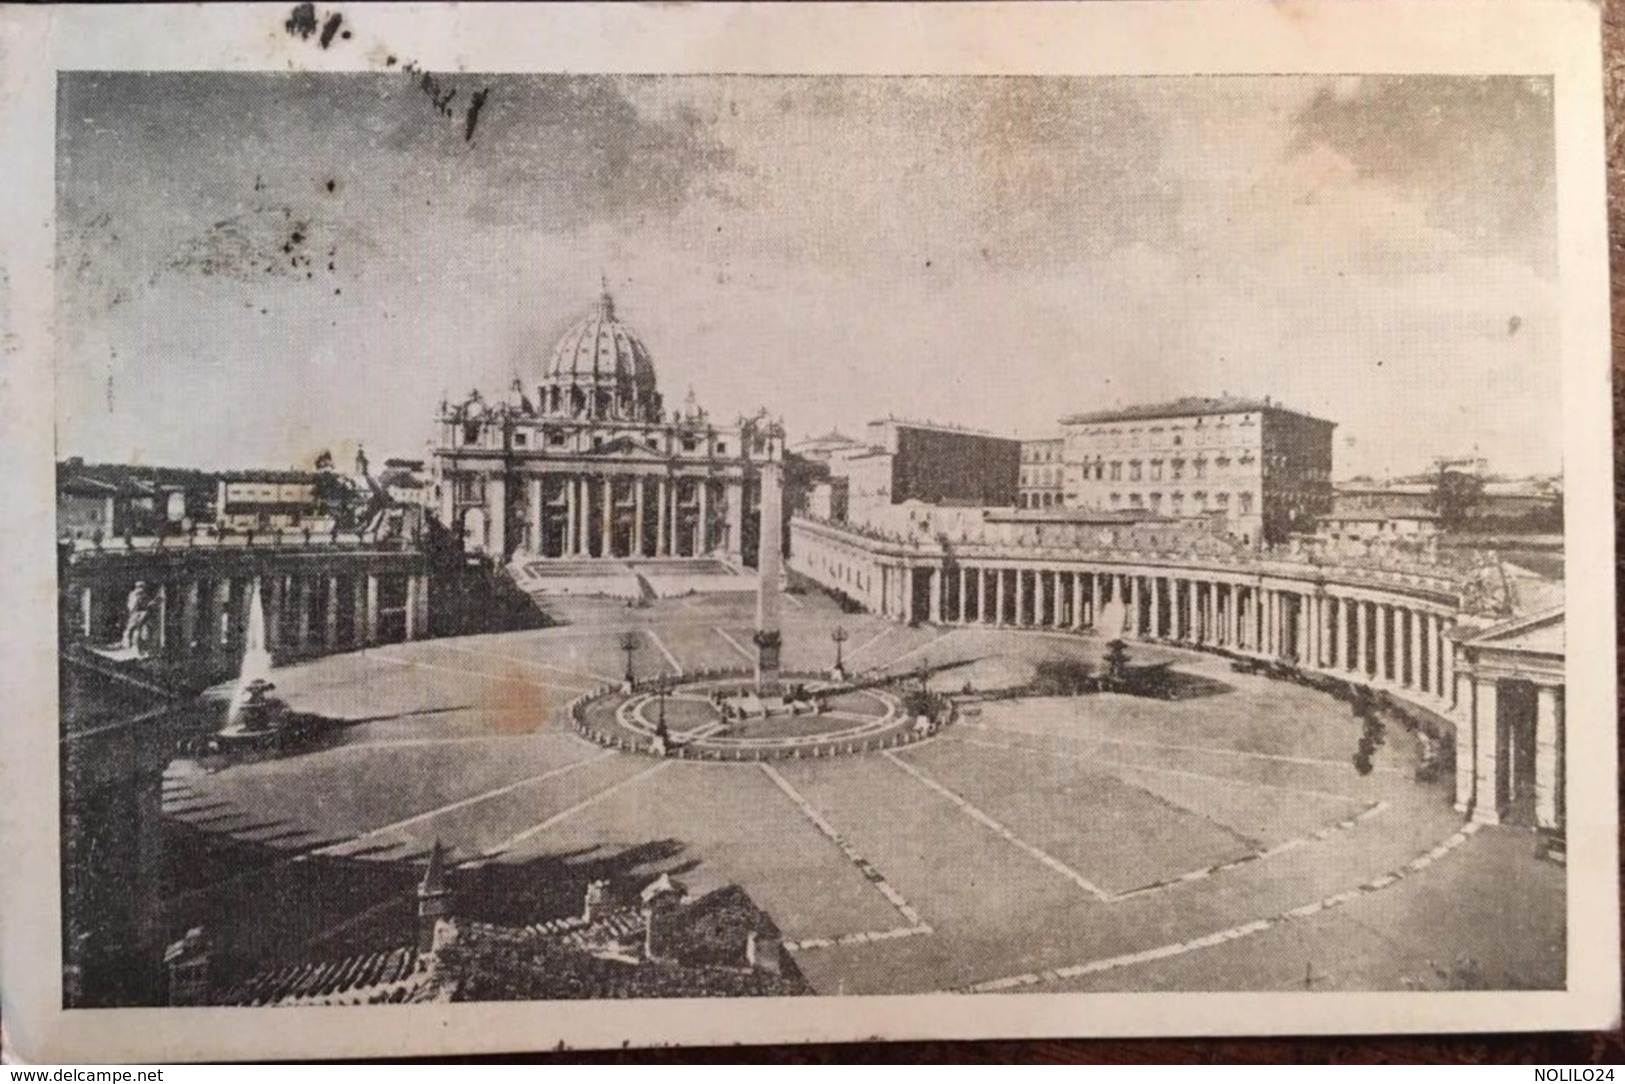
(607,546)
(1234,592)
(908,595)
(1345,638)
(964,607)
(1466,750)
(662,499)
(1435,663)
(1023,597)
(998,596)
(736,522)
(676,498)
(568,549)
(638,485)
(936,594)
(1077,599)
(538,516)
(1193,621)
(1134,624)
(703,531)
(1487,749)
(1548,758)
(496,516)
(1155,583)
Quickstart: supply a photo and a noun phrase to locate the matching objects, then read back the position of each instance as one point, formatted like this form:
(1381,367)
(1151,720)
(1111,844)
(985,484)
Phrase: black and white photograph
(604,533)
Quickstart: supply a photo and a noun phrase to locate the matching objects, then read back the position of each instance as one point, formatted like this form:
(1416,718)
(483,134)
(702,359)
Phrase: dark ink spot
(302,21)
(928,263)
(472,118)
(331,185)
(297,237)
(330,265)
(389,61)
(337,292)
(345,35)
(330,28)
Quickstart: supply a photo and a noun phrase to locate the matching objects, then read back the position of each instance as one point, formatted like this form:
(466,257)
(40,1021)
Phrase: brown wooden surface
(1547,1049)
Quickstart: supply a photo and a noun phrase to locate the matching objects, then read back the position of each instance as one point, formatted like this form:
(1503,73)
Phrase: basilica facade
(589,464)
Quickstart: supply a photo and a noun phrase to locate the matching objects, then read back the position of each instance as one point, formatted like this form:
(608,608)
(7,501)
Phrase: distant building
(268,499)
(1406,526)
(904,461)
(1264,469)
(589,462)
(821,448)
(109,500)
(1040,482)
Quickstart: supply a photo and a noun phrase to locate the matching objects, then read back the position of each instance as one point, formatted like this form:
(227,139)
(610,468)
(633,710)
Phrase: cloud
(1478,151)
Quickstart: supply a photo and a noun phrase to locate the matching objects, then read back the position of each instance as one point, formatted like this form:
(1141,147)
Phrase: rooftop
(1189,406)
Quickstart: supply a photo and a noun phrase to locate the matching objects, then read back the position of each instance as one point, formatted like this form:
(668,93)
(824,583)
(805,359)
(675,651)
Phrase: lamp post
(838,673)
(662,690)
(629,644)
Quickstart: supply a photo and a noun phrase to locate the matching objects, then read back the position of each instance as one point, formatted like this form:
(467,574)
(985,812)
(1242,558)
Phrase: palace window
(1179,469)
(555,438)
(471,432)
(1156,500)
(1201,467)
(1117,499)
(470,488)
(1136,500)
(1156,470)
(1246,503)
(722,448)
(1117,470)
(689,444)
(1134,470)
(520,440)
(1223,499)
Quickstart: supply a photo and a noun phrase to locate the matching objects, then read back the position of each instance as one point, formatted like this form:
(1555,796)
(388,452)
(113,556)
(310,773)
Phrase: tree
(1456,495)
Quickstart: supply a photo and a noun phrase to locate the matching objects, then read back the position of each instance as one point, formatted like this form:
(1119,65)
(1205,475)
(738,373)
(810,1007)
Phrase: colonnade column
(908,595)
(372,609)
(998,596)
(1155,583)
(1466,753)
(1362,619)
(1380,612)
(330,615)
(606,546)
(1486,726)
(1419,679)
(1548,757)
(1077,599)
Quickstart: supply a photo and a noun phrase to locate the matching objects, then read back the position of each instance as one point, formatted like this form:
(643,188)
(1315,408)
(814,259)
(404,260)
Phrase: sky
(257,267)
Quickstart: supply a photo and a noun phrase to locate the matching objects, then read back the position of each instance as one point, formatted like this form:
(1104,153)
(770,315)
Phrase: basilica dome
(601,369)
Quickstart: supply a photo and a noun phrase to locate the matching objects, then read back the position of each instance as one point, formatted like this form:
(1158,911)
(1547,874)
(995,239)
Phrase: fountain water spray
(256,667)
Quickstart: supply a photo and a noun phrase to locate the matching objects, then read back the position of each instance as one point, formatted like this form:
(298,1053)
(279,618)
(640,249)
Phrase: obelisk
(769,565)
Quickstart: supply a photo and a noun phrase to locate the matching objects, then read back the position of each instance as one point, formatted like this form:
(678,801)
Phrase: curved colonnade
(1397,630)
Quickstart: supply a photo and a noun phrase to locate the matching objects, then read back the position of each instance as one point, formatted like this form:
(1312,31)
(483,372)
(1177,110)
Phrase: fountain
(252,711)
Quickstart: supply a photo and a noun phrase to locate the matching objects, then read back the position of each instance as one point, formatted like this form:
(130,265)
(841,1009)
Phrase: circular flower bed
(714,715)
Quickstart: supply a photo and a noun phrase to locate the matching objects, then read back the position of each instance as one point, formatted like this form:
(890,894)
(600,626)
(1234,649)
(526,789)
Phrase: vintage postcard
(707,523)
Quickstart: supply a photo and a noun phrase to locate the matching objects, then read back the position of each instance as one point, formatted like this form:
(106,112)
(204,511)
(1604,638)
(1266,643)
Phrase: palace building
(589,464)
(1261,468)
